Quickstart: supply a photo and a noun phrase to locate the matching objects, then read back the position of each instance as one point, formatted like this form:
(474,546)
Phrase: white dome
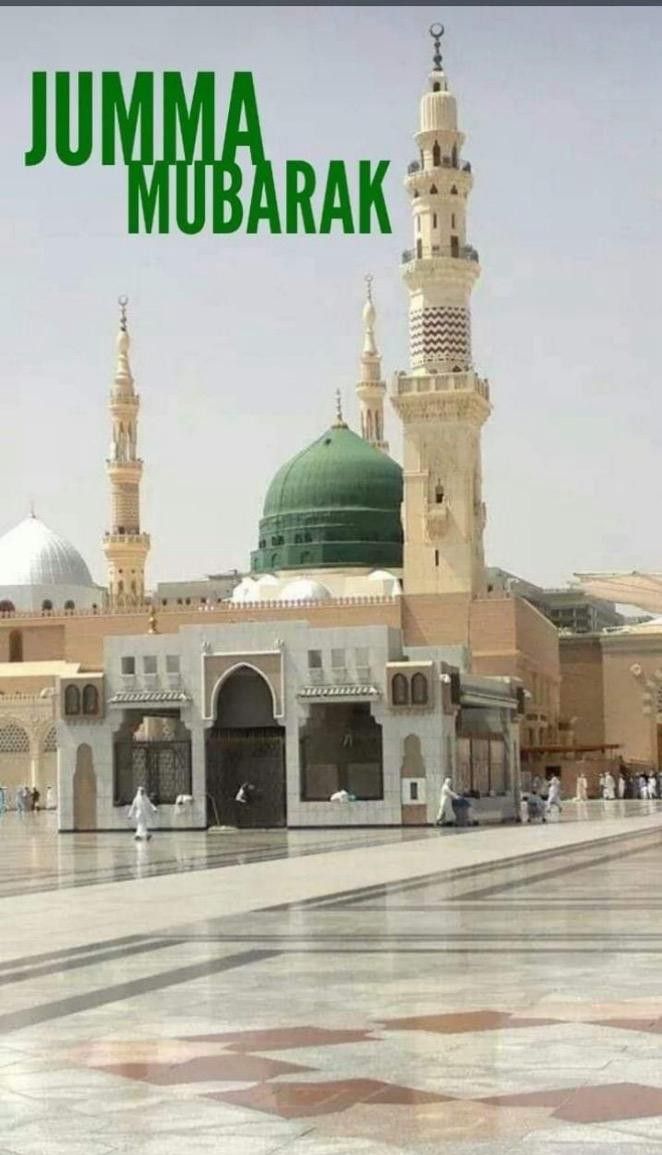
(267,579)
(246,591)
(32,555)
(304,590)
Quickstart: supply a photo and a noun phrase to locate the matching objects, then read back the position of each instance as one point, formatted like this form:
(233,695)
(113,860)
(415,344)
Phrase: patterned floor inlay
(283,1038)
(604,1104)
(219,1068)
(461,1022)
(300,1100)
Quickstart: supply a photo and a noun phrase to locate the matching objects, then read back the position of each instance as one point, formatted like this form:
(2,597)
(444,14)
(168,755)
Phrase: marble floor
(324,993)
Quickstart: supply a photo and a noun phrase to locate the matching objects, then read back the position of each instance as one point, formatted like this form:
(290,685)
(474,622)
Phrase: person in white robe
(446,815)
(652,786)
(141,811)
(554,796)
(581,789)
(50,798)
(609,786)
(621,786)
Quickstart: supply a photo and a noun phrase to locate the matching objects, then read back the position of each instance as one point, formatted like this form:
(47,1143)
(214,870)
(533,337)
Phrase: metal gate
(163,768)
(248,755)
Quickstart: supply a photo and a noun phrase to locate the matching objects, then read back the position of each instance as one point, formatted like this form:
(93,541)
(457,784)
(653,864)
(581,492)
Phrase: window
(436,154)
(162,767)
(419,690)
(172,663)
(452,220)
(362,654)
(439,494)
(434,220)
(128,665)
(150,665)
(419,249)
(337,659)
(433,190)
(314,659)
(71,701)
(400,690)
(16,646)
(90,700)
(46,605)
(341,749)
(455,247)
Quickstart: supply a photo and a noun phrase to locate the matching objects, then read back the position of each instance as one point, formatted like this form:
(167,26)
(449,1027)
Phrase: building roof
(631,589)
(336,503)
(31,554)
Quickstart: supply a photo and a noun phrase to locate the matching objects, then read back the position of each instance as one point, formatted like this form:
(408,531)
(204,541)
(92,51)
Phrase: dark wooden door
(235,756)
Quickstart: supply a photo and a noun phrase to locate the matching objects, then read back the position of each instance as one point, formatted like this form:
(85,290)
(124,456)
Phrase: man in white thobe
(141,810)
(446,815)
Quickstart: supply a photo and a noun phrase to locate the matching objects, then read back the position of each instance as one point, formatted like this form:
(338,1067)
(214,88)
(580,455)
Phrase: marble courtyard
(328,992)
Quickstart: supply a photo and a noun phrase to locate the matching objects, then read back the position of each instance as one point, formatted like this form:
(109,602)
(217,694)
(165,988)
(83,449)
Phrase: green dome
(337,503)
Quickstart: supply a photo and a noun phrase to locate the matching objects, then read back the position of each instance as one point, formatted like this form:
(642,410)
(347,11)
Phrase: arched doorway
(85,790)
(246,744)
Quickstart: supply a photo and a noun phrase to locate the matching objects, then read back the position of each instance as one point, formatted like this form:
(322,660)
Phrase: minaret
(371,389)
(125,547)
(441,400)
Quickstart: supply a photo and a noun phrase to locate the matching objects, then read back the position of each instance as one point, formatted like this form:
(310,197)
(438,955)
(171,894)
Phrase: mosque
(363,655)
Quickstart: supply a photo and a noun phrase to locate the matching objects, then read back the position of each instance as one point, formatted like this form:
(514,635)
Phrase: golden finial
(152,624)
(436,32)
(123,302)
(339,422)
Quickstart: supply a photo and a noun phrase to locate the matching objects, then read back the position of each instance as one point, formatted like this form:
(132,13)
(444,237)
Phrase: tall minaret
(371,389)
(125,547)
(442,401)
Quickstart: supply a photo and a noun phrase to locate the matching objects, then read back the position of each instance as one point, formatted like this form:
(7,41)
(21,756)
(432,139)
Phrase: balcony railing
(463,253)
(446,162)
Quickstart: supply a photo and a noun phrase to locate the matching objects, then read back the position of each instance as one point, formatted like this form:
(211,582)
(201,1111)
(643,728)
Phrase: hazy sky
(239,343)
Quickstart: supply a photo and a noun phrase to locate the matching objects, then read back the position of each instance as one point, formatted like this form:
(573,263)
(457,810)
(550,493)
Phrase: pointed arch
(227,674)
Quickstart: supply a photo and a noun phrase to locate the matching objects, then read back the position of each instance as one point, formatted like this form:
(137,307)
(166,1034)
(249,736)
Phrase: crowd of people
(25,799)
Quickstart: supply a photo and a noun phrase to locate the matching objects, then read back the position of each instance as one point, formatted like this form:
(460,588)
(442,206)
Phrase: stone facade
(418,740)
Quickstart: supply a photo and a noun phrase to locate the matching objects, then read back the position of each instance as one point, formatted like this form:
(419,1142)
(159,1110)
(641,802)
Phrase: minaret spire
(436,32)
(371,389)
(125,547)
(442,401)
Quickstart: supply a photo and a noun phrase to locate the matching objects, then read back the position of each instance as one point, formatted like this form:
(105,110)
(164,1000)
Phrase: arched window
(439,494)
(454,156)
(46,605)
(436,154)
(400,690)
(453,191)
(7,607)
(419,248)
(69,605)
(90,700)
(71,701)
(433,189)
(419,690)
(16,646)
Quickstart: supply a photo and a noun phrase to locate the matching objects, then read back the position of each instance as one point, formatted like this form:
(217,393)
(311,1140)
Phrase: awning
(351,691)
(149,697)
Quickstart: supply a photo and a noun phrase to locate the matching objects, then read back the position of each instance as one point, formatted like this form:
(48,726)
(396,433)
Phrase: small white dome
(32,555)
(246,591)
(382,575)
(267,579)
(304,590)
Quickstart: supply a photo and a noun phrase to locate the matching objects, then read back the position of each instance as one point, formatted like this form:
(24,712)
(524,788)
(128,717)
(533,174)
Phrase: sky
(240,342)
